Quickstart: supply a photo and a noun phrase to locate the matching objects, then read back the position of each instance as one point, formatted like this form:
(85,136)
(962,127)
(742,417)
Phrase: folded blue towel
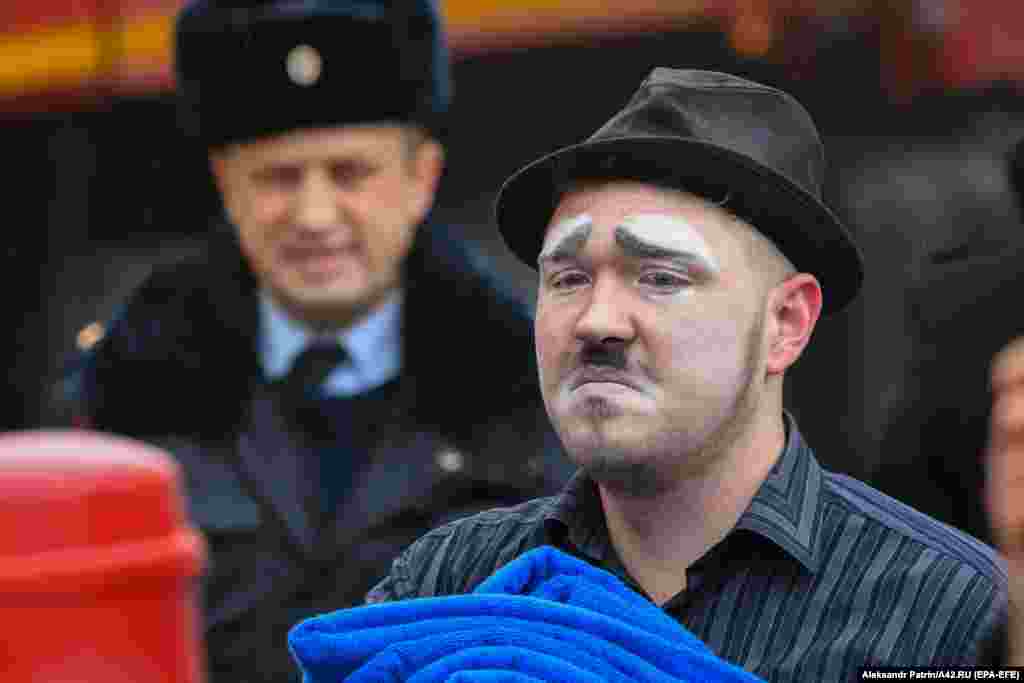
(545,616)
(551,574)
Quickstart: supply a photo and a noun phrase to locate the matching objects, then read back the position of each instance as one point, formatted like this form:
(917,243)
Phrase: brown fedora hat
(715,135)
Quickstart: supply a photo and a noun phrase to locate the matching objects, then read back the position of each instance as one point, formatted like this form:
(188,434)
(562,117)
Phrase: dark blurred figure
(335,376)
(964,308)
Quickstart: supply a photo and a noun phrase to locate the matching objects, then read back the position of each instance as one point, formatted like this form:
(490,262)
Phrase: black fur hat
(251,68)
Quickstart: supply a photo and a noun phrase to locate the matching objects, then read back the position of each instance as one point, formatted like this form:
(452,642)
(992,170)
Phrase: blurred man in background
(334,376)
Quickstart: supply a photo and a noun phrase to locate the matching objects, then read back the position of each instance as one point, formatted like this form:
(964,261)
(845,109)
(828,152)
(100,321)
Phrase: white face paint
(672,233)
(558,233)
(688,356)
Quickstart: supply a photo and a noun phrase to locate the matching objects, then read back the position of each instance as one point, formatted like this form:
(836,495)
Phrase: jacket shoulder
(194,313)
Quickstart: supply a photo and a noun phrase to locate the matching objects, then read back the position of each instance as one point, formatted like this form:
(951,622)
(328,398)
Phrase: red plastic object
(98,563)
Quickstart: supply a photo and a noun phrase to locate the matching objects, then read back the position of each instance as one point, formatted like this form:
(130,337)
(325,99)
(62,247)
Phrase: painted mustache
(602,363)
(604,354)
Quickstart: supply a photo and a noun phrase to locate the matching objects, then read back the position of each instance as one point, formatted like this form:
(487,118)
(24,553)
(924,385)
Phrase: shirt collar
(577,516)
(787,507)
(374,344)
(786,510)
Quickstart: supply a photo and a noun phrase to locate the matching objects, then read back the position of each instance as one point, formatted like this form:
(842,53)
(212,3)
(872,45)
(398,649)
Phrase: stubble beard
(653,467)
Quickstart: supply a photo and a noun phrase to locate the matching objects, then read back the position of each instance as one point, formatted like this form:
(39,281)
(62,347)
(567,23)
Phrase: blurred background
(918,101)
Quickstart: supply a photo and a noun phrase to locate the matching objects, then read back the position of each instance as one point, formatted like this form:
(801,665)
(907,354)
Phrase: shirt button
(450,461)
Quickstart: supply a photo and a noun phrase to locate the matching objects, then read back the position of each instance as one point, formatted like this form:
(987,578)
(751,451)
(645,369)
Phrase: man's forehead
(358,139)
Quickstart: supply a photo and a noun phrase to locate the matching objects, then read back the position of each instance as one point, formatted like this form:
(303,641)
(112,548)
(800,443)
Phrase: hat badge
(304,65)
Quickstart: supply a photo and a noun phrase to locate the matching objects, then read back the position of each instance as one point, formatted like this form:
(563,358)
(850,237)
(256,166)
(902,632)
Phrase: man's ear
(220,172)
(794,306)
(428,168)
(217,164)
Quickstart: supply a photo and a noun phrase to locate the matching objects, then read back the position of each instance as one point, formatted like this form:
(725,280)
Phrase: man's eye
(279,176)
(664,280)
(348,173)
(568,280)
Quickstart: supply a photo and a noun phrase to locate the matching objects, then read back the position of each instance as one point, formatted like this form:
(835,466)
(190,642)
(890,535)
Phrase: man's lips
(308,253)
(590,374)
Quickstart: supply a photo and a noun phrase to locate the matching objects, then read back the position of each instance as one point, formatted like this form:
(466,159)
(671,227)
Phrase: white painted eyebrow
(664,236)
(566,238)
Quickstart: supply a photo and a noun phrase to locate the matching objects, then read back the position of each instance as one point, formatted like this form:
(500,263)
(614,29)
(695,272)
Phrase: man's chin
(327,297)
(328,303)
(622,462)
(624,476)
(587,444)
(323,269)
(338,282)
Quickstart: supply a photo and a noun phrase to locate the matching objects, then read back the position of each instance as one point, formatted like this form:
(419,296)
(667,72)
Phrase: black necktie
(320,419)
(311,368)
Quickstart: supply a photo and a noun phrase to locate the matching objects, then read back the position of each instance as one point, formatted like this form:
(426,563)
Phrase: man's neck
(659,537)
(374,344)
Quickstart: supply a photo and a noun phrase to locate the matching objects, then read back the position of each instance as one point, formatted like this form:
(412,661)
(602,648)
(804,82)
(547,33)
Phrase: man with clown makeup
(684,257)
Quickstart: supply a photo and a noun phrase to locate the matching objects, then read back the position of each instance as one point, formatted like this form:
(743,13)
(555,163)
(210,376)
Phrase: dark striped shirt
(822,574)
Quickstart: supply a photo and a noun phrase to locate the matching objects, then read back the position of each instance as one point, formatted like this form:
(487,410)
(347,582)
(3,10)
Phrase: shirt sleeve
(398,584)
(384,591)
(454,558)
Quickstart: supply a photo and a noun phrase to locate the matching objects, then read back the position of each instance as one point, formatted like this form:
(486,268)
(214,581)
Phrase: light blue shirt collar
(374,346)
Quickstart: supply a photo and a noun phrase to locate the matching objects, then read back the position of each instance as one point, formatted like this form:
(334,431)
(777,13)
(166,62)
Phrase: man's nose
(317,203)
(607,317)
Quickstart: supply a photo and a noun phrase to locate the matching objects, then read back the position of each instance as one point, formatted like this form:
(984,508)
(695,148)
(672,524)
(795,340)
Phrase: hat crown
(757,121)
(253,68)
(752,148)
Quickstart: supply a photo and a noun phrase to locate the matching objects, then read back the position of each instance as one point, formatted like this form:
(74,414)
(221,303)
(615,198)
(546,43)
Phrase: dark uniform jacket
(821,575)
(462,429)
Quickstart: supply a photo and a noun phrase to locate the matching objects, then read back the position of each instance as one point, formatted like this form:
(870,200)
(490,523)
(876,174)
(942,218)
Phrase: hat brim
(800,225)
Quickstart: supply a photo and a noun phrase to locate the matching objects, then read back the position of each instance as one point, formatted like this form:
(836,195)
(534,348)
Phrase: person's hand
(1005,475)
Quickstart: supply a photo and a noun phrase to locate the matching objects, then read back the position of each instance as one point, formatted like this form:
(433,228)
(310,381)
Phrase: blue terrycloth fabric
(550,574)
(545,616)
